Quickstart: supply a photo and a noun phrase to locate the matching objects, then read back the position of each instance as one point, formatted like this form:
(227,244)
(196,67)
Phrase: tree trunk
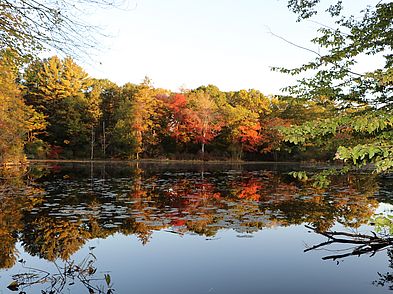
(104,140)
(92,144)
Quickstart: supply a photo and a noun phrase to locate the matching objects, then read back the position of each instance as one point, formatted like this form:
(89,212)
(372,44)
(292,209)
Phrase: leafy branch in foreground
(362,131)
(364,137)
(336,77)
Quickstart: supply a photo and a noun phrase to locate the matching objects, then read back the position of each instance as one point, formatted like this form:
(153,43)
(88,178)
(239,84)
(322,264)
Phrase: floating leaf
(14,286)
(107,279)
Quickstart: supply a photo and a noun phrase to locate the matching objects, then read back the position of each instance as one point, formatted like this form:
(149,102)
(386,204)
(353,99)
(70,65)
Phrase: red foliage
(250,189)
(179,117)
(177,222)
(250,136)
(204,132)
(186,124)
(54,152)
(177,103)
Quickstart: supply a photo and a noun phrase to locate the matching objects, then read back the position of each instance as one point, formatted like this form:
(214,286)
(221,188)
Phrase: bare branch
(366,244)
(292,43)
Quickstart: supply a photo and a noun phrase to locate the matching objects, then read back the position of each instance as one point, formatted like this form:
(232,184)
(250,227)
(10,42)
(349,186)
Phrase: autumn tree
(241,129)
(205,119)
(62,91)
(145,107)
(18,122)
(137,117)
(219,97)
(243,112)
(250,99)
(178,117)
(194,116)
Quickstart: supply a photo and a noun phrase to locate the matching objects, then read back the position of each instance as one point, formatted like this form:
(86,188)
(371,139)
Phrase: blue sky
(198,42)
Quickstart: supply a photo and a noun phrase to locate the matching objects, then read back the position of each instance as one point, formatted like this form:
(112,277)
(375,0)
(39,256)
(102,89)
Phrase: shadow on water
(53,210)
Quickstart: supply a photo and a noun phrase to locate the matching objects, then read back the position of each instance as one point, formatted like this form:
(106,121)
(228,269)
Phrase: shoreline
(163,161)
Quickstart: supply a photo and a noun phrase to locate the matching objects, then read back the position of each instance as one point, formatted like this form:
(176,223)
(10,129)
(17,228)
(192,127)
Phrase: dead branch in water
(365,244)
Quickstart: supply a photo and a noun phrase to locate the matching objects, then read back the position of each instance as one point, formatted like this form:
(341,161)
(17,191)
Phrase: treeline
(51,108)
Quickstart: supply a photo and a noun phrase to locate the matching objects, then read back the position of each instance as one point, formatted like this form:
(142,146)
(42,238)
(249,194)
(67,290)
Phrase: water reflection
(18,196)
(345,244)
(386,279)
(349,201)
(54,210)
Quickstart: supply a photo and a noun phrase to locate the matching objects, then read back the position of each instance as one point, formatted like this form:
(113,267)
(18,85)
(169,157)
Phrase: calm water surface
(166,228)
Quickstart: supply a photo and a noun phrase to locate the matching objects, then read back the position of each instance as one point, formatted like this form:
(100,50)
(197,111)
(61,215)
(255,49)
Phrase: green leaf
(107,279)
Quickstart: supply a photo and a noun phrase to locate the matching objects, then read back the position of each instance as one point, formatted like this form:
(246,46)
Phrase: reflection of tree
(138,224)
(249,189)
(81,204)
(9,225)
(386,279)
(16,198)
(182,204)
(51,238)
(348,201)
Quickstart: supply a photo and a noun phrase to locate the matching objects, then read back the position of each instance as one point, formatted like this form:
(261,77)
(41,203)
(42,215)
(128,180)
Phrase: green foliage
(366,137)
(123,138)
(379,154)
(359,123)
(334,75)
(63,92)
(362,129)
(37,149)
(383,223)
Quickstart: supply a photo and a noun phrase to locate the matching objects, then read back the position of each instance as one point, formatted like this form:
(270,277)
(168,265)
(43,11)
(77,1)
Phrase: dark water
(165,228)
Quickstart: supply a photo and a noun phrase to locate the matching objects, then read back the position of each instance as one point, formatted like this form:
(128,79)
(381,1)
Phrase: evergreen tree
(63,92)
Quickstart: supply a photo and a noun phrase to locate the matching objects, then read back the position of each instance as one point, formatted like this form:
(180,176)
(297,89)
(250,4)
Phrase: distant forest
(56,111)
